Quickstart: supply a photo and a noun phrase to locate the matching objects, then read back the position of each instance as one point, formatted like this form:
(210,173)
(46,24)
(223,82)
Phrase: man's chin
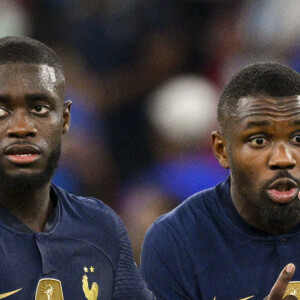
(278,215)
(25,180)
(24,183)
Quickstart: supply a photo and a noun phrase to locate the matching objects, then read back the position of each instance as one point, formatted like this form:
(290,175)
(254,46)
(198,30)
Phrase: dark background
(144,78)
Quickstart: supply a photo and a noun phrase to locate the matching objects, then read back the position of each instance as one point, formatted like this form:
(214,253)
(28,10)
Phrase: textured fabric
(127,285)
(85,251)
(204,250)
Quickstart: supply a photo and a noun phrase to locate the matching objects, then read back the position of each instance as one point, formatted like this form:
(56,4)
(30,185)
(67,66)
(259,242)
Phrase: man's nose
(21,126)
(282,157)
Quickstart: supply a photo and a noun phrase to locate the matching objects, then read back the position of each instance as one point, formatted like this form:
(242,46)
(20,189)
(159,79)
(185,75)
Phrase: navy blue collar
(12,221)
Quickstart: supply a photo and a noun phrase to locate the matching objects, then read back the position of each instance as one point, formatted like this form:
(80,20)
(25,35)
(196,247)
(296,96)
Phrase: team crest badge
(292,289)
(90,293)
(49,289)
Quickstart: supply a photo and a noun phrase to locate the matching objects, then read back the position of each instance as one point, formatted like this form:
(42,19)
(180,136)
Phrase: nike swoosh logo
(2,296)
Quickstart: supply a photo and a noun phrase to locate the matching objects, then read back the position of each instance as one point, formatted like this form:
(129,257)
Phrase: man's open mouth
(283,190)
(22,154)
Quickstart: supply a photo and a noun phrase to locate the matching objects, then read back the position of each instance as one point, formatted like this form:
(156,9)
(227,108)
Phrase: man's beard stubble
(275,215)
(278,215)
(22,184)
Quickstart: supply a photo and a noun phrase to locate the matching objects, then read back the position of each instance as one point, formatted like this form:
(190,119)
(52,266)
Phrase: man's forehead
(28,75)
(276,107)
(12,69)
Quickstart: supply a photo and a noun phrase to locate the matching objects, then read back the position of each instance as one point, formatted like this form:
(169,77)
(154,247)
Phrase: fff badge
(293,289)
(49,289)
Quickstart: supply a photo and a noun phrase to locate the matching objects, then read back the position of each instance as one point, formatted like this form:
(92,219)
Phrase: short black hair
(259,79)
(26,50)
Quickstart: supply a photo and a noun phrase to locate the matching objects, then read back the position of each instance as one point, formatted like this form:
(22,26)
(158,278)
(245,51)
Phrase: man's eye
(41,109)
(296,139)
(3,112)
(259,141)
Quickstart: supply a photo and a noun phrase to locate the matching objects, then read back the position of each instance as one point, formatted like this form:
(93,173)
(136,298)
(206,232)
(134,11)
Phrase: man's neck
(33,207)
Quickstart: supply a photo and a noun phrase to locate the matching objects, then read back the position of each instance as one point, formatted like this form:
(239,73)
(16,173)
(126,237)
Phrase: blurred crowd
(144,77)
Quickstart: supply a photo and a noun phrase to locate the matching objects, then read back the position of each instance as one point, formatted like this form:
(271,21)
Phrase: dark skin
(32,115)
(278,289)
(264,146)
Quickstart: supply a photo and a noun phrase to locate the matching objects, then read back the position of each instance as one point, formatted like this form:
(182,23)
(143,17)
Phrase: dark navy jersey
(84,253)
(204,250)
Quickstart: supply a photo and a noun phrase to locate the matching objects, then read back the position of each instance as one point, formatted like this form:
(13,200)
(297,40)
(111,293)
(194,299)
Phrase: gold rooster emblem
(90,294)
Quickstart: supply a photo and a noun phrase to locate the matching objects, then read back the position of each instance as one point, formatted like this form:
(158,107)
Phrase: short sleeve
(128,281)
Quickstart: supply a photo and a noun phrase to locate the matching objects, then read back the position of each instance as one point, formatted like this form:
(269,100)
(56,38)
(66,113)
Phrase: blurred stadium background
(144,77)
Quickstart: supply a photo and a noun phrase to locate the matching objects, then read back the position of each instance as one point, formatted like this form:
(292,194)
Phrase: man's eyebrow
(258,123)
(4,97)
(37,96)
(40,97)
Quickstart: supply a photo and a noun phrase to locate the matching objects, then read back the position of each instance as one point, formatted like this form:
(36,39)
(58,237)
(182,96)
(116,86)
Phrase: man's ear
(219,148)
(66,116)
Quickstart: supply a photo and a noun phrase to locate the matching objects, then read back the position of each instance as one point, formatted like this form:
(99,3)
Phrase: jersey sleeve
(166,266)
(128,280)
